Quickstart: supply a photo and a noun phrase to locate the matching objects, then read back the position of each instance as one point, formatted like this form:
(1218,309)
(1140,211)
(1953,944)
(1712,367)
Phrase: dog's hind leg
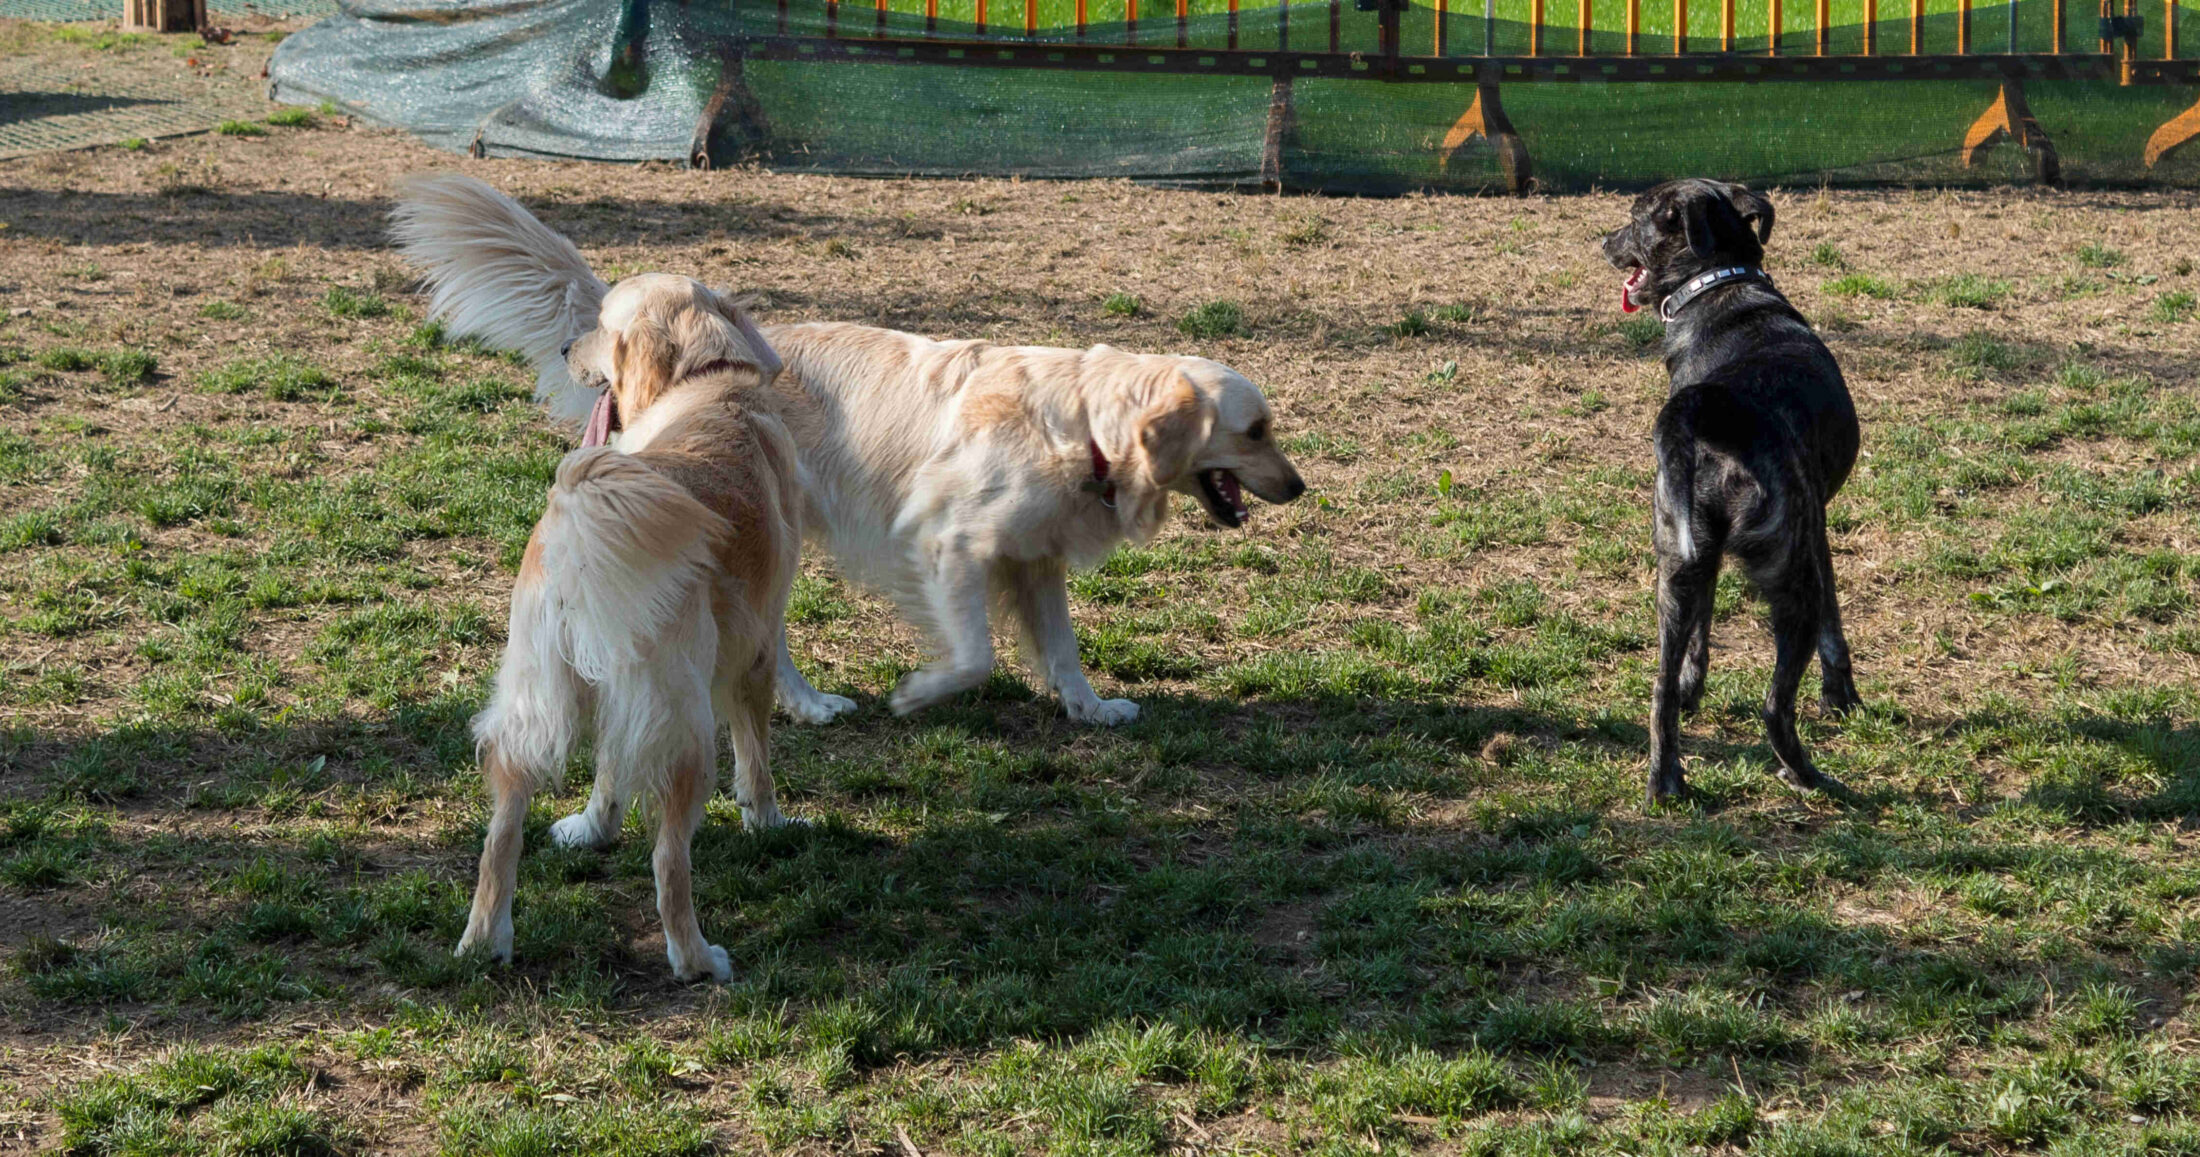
(1696,667)
(679,813)
(804,703)
(1836,680)
(1796,612)
(489,924)
(746,704)
(1040,594)
(1684,610)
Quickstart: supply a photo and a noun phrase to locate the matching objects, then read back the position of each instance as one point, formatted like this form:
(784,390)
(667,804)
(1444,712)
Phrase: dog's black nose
(1297,487)
(566,350)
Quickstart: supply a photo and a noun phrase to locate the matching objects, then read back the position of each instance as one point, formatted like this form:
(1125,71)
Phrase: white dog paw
(822,708)
(752,822)
(715,966)
(1105,712)
(497,949)
(578,831)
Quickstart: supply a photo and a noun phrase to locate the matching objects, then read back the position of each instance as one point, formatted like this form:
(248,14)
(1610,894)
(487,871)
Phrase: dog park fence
(1377,96)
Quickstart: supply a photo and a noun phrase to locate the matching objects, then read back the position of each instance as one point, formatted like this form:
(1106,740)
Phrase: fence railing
(1534,41)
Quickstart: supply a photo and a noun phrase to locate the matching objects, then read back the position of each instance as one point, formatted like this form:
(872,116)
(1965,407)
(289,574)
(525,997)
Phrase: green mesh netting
(628,81)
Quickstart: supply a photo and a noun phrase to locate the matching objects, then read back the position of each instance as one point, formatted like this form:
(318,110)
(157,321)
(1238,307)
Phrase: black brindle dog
(1756,436)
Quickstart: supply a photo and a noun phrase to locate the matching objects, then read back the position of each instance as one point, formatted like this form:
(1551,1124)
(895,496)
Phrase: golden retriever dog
(954,476)
(650,600)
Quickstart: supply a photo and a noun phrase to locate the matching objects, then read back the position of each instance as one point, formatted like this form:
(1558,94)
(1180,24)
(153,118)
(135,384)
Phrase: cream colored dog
(947,474)
(650,602)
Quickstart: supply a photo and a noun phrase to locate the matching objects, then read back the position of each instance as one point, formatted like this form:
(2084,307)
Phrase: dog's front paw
(1105,712)
(579,831)
(714,966)
(755,821)
(818,708)
(1839,700)
(497,946)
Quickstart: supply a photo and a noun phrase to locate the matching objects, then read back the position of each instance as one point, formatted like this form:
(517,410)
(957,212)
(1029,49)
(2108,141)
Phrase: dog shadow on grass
(1303,869)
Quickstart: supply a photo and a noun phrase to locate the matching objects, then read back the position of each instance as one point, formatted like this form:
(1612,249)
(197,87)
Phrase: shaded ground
(1370,874)
(72,86)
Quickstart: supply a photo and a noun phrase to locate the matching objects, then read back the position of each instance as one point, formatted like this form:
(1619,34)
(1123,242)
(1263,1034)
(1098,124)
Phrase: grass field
(1370,875)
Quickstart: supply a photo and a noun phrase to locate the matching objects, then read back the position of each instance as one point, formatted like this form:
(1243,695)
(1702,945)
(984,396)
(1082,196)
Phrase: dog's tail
(1675,439)
(498,274)
(613,606)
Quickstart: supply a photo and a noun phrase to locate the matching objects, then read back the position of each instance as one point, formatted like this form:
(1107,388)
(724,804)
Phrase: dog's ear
(645,356)
(1175,423)
(735,309)
(1711,222)
(1754,209)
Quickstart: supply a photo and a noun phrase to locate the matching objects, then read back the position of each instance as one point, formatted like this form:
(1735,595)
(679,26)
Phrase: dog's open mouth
(1627,290)
(1225,499)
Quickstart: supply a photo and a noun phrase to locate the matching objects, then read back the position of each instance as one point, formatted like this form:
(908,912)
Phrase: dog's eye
(1258,431)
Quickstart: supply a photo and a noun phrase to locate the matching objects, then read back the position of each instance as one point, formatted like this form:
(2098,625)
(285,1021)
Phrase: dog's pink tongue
(1627,292)
(599,421)
(1231,493)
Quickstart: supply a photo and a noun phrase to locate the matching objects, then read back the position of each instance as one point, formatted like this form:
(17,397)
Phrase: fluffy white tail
(613,608)
(497,273)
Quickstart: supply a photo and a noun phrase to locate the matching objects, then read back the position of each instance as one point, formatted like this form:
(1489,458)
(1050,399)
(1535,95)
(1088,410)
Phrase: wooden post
(1963,27)
(1581,34)
(1443,9)
(1871,26)
(981,17)
(164,15)
(1772,27)
(1634,26)
(1031,17)
(2059,22)
(1726,25)
(1233,24)
(1130,18)
(1917,26)
(1535,27)
(1680,27)
(1183,23)
(880,28)
(931,17)
(1080,19)
(1825,18)
(2169,30)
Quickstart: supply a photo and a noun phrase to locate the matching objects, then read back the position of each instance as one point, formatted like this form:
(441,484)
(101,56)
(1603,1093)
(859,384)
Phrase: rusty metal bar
(1825,18)
(1772,27)
(1963,27)
(1634,26)
(1130,19)
(1726,25)
(879,28)
(1680,27)
(1183,24)
(1917,27)
(1031,17)
(1080,19)
(1583,18)
(931,17)
(981,17)
(1871,27)
(1535,27)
